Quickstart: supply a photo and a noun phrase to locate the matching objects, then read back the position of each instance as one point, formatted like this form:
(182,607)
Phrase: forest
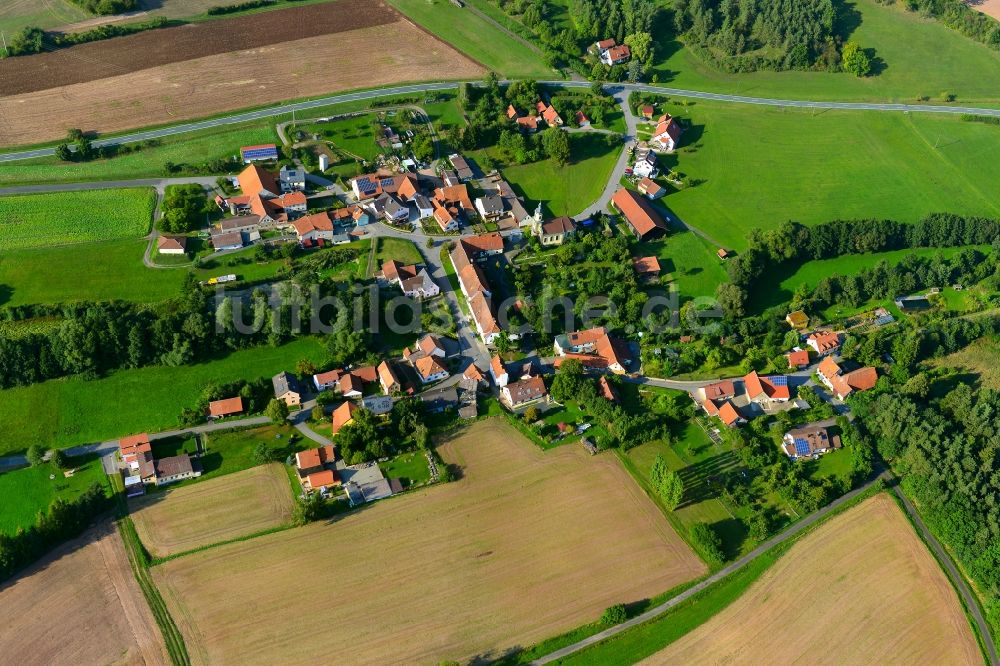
(748,35)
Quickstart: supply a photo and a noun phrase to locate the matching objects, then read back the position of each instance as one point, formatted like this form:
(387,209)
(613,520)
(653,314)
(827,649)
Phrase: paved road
(957,579)
(281,109)
(711,580)
(157,183)
(631,123)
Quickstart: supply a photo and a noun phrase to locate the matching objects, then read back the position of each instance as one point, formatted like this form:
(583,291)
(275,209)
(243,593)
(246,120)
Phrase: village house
(218,409)
(555,231)
(315,227)
(611,53)
(232,240)
(646,166)
(263,196)
(766,391)
(549,114)
(171,244)
(644,221)
(843,383)
(316,468)
(292,179)
(286,389)
(462,168)
(730,416)
(430,370)
(646,268)
(432,345)
(666,134)
(809,441)
(490,207)
(523,392)
(176,468)
(137,458)
(352,383)
(595,348)
(420,286)
(325,381)
(388,378)
(650,189)
(449,203)
(473,378)
(464,257)
(498,371)
(248,225)
(439,400)
(799,358)
(824,342)
(343,415)
(647,111)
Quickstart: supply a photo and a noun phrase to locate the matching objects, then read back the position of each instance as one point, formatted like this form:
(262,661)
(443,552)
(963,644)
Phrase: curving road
(281,109)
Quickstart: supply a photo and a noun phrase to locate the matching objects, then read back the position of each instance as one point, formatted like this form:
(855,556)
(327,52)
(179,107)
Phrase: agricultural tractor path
(282,109)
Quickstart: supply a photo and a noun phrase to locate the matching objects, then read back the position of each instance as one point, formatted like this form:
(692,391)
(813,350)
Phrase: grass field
(80,605)
(564,190)
(476,38)
(410,468)
(217,510)
(145,399)
(981,359)
(60,218)
(922,57)
(821,602)
(506,556)
(811,272)
(38,275)
(762,166)
(193,148)
(400,249)
(30,490)
(689,261)
(16,15)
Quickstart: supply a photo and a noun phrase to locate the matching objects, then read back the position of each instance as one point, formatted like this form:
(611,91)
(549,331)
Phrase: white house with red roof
(667,133)
(612,53)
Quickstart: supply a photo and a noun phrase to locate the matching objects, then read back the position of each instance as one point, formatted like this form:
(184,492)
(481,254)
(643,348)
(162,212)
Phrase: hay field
(526,545)
(80,605)
(861,589)
(212,511)
(220,82)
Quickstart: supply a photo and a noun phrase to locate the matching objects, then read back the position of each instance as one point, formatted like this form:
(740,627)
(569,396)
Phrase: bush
(707,542)
(241,7)
(614,615)
(36,455)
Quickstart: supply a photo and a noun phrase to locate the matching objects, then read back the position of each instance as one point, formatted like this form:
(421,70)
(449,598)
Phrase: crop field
(570,189)
(146,399)
(861,588)
(79,605)
(190,148)
(29,490)
(62,218)
(922,56)
(760,167)
(213,511)
(38,275)
(232,71)
(513,552)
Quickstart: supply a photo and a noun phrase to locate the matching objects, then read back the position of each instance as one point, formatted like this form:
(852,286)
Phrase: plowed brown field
(213,511)
(80,605)
(526,545)
(861,589)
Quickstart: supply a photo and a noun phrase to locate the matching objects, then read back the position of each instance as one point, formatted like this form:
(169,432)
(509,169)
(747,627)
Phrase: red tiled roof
(797,358)
(343,415)
(646,265)
(328,377)
(483,313)
(254,180)
(226,406)
(639,214)
(649,186)
(314,222)
(531,122)
(473,372)
(606,390)
(387,376)
(428,366)
(322,479)
(582,118)
(710,407)
(728,413)
(496,364)
(606,44)
(171,242)
(550,115)
(366,373)
(723,389)
(828,368)
(824,340)
(620,51)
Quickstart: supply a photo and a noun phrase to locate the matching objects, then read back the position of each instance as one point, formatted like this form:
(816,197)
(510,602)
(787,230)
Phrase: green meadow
(29,490)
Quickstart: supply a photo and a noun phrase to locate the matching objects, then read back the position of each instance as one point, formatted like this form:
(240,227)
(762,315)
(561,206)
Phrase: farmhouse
(523,392)
(176,468)
(171,244)
(824,342)
(667,133)
(650,188)
(343,415)
(141,467)
(262,153)
(723,390)
(394,272)
(472,280)
(766,391)
(388,378)
(611,53)
(645,222)
(227,407)
(373,185)
(317,226)
(596,348)
(549,114)
(797,359)
(555,231)
(844,384)
(809,441)
(316,468)
(498,371)
(264,197)
(286,389)
(244,224)
(230,240)
(137,457)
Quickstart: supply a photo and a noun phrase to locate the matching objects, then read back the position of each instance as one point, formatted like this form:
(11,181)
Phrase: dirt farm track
(515,551)
(191,71)
(861,589)
(79,605)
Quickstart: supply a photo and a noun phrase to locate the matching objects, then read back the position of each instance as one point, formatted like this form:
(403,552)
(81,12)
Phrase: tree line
(959,16)
(33,39)
(62,521)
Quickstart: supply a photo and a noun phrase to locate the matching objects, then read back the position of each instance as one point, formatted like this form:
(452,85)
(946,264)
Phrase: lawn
(922,57)
(475,37)
(810,273)
(111,270)
(410,468)
(570,189)
(355,135)
(761,166)
(189,148)
(66,412)
(400,249)
(688,261)
(61,218)
(30,490)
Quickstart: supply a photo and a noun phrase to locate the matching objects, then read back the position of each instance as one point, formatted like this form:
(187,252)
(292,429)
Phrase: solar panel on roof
(780,380)
(801,447)
(260,153)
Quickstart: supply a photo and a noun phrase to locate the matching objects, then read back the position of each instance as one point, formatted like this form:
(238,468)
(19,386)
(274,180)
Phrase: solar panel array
(801,447)
(366,185)
(260,153)
(779,380)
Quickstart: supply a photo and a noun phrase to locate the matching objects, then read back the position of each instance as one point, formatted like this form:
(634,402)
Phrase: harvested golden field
(234,80)
(526,545)
(861,589)
(212,511)
(80,605)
